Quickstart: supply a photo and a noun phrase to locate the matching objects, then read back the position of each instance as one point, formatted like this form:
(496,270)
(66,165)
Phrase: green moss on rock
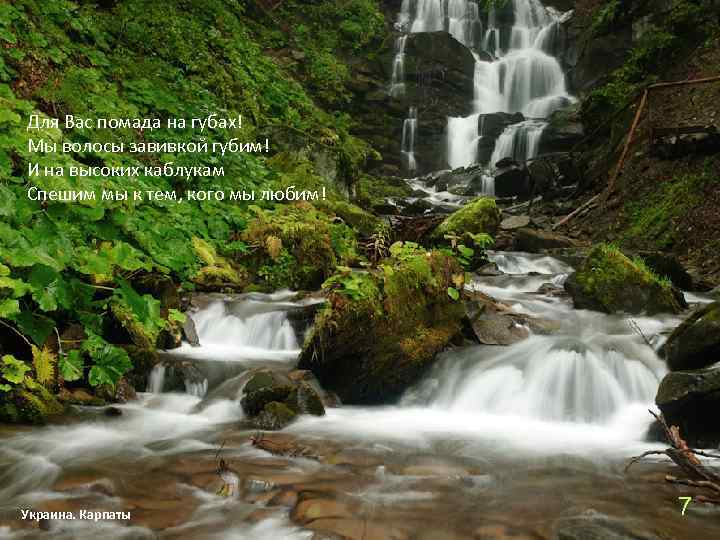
(609,281)
(30,403)
(381,329)
(274,416)
(480,216)
(363,222)
(297,246)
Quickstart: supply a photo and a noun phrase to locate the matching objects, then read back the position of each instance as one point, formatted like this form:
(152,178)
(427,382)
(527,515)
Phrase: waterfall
(237,326)
(558,378)
(397,83)
(461,18)
(524,78)
(519,141)
(409,135)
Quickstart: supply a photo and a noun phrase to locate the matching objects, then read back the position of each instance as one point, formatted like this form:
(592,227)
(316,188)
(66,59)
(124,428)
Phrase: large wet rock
(563,132)
(695,344)
(469,178)
(590,57)
(667,265)
(439,74)
(381,329)
(512,179)
(690,400)
(272,399)
(479,216)
(536,240)
(609,281)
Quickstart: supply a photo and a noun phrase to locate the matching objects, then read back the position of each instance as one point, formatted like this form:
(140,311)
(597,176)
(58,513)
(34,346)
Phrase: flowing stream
(495,442)
(522,442)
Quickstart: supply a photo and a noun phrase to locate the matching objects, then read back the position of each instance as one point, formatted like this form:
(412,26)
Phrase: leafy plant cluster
(326,31)
(86,265)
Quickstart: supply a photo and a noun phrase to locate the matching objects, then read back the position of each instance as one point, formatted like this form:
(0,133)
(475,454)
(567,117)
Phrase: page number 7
(686,501)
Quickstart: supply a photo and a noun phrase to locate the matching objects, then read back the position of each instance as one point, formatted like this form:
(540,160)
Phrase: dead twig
(636,328)
(699,476)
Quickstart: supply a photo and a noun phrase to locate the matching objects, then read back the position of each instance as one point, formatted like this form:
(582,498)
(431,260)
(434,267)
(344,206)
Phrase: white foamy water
(254,328)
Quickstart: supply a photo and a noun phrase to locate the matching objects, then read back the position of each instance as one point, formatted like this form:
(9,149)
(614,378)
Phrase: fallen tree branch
(577,211)
(699,476)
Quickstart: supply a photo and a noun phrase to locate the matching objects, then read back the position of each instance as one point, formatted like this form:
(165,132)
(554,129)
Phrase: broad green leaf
(453,293)
(12,369)
(9,308)
(111,362)
(71,366)
(38,327)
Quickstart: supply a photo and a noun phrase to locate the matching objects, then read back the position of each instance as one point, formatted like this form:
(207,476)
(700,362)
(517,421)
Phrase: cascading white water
(256,327)
(522,78)
(217,324)
(461,18)
(519,141)
(409,136)
(556,378)
(397,82)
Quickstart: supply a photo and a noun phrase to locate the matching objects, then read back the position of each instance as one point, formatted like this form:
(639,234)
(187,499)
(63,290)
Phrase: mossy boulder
(381,328)
(217,272)
(297,246)
(274,416)
(695,344)
(360,220)
(690,400)
(479,216)
(29,403)
(272,399)
(609,281)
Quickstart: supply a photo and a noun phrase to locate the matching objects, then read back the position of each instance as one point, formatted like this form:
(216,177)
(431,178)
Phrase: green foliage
(77,264)
(71,366)
(12,372)
(297,246)
(606,16)
(357,286)
(110,363)
(323,31)
(406,251)
(654,218)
